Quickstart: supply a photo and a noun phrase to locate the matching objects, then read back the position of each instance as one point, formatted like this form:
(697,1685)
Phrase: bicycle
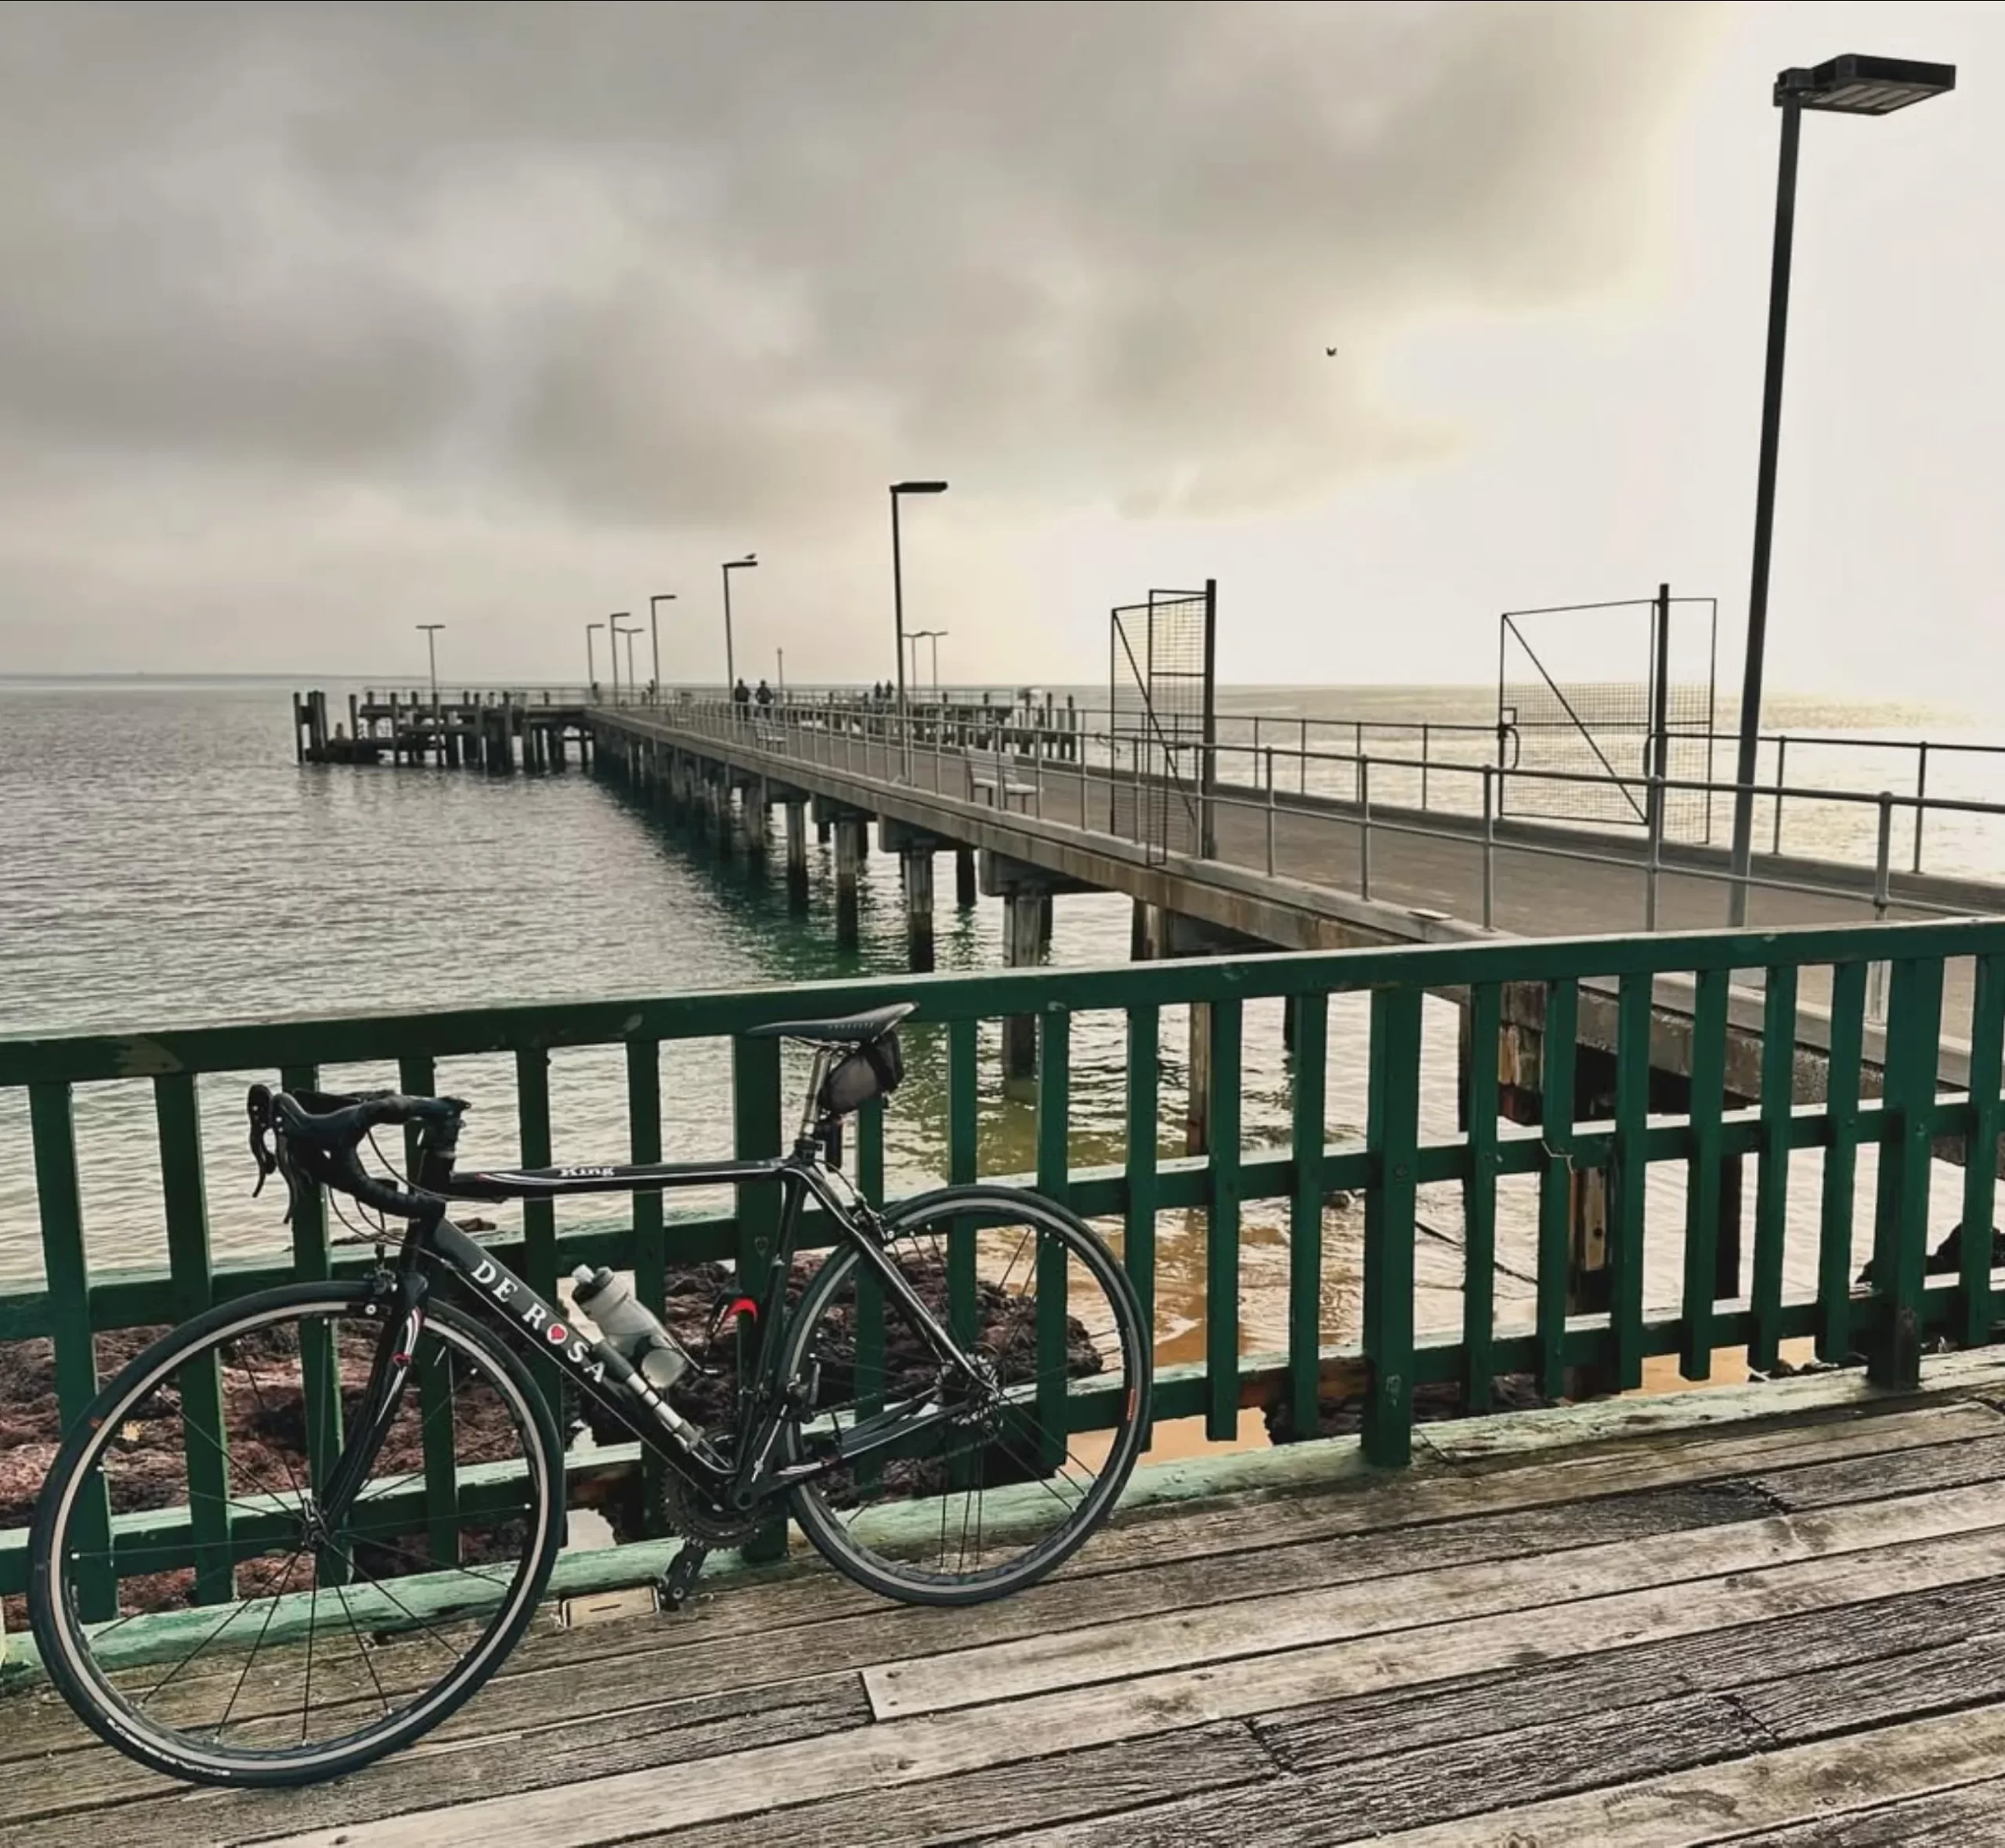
(904,1376)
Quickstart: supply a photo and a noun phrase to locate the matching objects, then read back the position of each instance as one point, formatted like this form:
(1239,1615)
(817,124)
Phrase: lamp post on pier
(591,668)
(432,648)
(1843,86)
(748,562)
(612,640)
(654,631)
(898,604)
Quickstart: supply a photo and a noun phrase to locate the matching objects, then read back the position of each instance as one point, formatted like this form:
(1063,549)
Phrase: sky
(318,322)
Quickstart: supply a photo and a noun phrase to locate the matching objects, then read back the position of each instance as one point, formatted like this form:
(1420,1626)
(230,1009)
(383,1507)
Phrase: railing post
(1426,732)
(1271,811)
(1655,861)
(1302,773)
(1488,846)
(1920,798)
(1782,759)
(1357,762)
(1364,828)
(1876,989)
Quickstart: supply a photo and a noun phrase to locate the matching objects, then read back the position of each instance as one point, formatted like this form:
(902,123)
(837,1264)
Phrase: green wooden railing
(1910,1123)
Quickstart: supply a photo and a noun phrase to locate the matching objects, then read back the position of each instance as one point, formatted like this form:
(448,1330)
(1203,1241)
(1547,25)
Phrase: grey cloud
(699,264)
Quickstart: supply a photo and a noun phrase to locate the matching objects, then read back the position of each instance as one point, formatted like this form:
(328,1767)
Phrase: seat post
(822,1056)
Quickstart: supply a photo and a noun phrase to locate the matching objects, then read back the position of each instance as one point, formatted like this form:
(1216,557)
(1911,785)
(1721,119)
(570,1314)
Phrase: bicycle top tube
(542,1183)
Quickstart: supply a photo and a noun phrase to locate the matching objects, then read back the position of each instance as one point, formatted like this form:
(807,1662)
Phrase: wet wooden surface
(1789,1631)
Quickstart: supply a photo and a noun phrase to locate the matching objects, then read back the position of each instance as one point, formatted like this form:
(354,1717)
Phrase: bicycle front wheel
(201,1611)
(983,1486)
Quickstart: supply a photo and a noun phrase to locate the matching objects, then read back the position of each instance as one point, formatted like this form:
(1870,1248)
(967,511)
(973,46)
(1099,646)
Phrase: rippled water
(167,864)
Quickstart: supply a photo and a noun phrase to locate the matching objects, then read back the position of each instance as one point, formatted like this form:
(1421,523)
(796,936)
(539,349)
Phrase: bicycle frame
(750,1477)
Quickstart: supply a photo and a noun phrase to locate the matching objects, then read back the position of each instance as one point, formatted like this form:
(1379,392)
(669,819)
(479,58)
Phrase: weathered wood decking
(1708,1627)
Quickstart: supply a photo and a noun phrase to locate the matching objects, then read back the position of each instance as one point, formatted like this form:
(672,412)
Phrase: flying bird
(1329,353)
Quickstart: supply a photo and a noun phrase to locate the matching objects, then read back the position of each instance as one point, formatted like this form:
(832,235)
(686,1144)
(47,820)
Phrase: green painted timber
(1559,1056)
(1889,1321)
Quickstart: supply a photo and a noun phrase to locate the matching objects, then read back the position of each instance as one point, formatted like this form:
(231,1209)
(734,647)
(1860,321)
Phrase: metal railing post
(1920,798)
(1656,861)
(1882,878)
(1358,758)
(1488,846)
(1302,774)
(1364,828)
(1424,732)
(1270,812)
(1781,758)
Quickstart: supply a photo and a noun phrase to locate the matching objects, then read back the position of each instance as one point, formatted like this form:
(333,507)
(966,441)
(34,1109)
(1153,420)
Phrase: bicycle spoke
(362,1648)
(312,1624)
(250,1661)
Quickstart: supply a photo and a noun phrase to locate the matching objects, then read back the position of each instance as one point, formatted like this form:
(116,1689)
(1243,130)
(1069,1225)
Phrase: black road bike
(346,1499)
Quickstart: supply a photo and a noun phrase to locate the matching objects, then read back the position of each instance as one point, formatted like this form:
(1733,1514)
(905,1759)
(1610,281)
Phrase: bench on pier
(1003,792)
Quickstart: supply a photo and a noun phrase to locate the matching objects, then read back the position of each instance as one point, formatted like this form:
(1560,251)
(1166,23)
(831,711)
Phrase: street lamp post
(748,562)
(629,633)
(1843,86)
(933,636)
(898,599)
(654,632)
(591,669)
(431,647)
(613,647)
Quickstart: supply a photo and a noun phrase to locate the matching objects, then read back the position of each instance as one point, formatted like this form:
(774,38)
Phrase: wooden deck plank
(1733,1662)
(956,1809)
(1461,1777)
(1288,1621)
(1972,1817)
(1727,1802)
(1833,1484)
(889,1757)
(100,1789)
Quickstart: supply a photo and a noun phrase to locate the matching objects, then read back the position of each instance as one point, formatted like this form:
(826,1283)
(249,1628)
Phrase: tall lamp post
(1843,86)
(933,636)
(654,632)
(629,633)
(748,562)
(591,669)
(898,601)
(431,647)
(613,646)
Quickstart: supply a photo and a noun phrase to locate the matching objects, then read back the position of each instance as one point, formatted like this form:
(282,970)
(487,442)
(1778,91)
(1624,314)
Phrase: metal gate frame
(1165,795)
(1655,726)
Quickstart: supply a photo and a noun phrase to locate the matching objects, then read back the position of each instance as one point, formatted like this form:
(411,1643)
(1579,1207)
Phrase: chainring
(695,1517)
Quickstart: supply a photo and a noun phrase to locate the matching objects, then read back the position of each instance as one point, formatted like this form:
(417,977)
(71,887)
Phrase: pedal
(673,1588)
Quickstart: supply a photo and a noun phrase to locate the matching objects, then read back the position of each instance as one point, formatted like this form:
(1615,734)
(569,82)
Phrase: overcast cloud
(413,294)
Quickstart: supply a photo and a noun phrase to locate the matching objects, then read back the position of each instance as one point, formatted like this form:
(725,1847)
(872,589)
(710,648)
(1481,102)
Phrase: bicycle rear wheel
(989,1497)
(220,1627)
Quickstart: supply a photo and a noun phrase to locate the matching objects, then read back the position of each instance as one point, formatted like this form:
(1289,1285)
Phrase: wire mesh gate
(1567,706)
(1161,685)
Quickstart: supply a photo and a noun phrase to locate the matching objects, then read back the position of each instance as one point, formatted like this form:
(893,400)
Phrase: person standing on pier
(764,695)
(741,697)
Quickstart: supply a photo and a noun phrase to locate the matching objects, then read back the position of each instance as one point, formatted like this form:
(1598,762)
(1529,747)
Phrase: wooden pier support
(796,855)
(752,816)
(1026,943)
(852,845)
(964,885)
(918,863)
(721,828)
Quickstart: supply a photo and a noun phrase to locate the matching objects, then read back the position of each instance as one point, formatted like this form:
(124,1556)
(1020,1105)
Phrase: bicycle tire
(830,1536)
(55,1622)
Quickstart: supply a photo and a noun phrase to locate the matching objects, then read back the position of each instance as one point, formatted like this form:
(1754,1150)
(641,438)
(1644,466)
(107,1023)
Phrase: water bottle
(630,1326)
